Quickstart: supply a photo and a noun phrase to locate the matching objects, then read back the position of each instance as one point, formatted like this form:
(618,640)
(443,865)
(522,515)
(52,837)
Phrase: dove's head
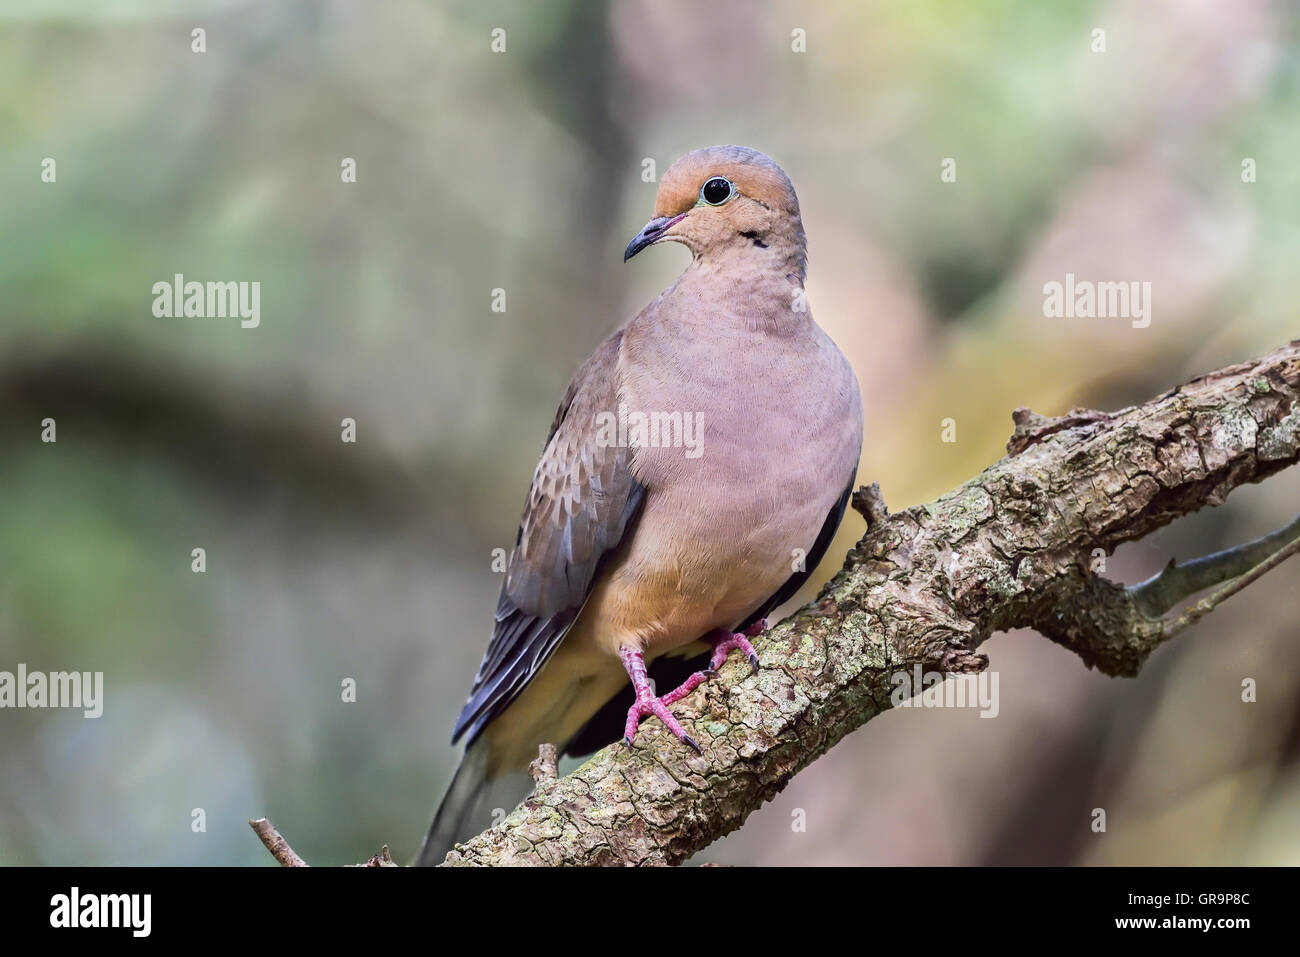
(727,201)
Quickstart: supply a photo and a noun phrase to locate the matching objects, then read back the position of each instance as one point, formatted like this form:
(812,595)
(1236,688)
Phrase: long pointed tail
(469,804)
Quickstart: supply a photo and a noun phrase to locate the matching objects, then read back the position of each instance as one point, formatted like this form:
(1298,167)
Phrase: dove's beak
(651,234)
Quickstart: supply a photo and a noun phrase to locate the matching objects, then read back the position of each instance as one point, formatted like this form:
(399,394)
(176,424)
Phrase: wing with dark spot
(606,725)
(582,501)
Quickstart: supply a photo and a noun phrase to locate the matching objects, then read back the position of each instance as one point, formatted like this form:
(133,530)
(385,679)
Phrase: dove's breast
(770,434)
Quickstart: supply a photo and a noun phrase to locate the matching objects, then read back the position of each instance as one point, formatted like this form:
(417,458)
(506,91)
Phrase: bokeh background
(522,171)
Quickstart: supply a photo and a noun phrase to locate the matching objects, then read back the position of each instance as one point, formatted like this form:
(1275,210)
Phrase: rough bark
(1015,546)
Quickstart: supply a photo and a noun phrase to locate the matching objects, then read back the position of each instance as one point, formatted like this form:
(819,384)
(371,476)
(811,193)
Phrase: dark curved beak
(650,234)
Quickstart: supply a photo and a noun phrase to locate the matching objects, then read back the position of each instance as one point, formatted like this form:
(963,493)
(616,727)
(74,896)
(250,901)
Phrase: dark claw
(691,741)
(628,742)
(753,660)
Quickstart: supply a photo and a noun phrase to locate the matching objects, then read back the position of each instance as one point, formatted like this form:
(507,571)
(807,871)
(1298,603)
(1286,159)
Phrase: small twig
(1163,591)
(870,504)
(1208,603)
(382,859)
(543,767)
(288,857)
(1116,628)
(276,844)
(1032,427)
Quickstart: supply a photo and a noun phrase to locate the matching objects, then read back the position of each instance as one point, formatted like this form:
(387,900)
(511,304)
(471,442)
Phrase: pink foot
(724,642)
(648,704)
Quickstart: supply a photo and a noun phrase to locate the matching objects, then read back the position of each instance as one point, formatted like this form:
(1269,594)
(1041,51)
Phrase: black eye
(716,191)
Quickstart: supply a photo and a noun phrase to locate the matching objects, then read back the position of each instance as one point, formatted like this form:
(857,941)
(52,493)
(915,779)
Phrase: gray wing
(582,501)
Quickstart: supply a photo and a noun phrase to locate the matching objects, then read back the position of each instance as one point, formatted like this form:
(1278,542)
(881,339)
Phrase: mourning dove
(695,473)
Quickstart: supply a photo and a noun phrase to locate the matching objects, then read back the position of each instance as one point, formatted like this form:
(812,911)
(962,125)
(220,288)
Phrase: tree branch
(1013,547)
(1115,629)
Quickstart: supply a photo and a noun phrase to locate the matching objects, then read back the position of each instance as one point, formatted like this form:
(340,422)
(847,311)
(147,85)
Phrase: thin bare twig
(276,844)
(1203,607)
(1173,584)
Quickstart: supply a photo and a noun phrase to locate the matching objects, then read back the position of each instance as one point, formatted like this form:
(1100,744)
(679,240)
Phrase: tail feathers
(470,803)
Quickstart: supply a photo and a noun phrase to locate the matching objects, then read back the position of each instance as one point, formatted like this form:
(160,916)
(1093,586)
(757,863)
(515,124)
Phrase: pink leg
(647,703)
(724,642)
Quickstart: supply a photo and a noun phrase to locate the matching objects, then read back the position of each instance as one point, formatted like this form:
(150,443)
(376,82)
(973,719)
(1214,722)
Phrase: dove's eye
(717,191)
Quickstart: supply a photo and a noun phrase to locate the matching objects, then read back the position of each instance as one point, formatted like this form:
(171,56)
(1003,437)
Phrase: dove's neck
(779,253)
(742,287)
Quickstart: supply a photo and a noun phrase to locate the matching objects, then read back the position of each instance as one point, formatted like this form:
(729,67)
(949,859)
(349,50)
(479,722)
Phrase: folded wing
(582,502)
